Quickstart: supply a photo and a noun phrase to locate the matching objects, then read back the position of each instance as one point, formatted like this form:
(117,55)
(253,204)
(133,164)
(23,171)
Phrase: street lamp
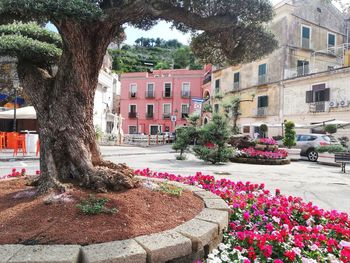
(15,88)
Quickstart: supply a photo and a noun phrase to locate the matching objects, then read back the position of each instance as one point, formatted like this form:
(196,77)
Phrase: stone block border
(188,242)
(260,161)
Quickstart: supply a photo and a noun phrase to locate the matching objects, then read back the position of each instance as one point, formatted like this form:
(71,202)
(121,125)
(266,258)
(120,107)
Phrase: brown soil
(27,220)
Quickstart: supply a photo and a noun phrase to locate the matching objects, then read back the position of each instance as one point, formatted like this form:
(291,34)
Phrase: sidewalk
(107,151)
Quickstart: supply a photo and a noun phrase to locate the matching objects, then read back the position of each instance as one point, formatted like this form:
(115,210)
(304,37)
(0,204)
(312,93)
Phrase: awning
(25,113)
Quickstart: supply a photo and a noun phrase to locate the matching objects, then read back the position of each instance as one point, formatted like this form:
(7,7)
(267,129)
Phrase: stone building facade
(313,43)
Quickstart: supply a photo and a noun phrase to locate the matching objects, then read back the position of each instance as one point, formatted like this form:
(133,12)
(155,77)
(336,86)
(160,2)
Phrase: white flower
(308,260)
(276,219)
(215,252)
(313,247)
(222,247)
(344,244)
(224,257)
(296,250)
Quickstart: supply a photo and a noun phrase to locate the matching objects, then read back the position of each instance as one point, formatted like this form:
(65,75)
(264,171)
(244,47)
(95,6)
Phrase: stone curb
(188,242)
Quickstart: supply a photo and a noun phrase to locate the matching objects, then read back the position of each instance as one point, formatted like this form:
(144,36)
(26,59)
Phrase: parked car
(169,136)
(308,143)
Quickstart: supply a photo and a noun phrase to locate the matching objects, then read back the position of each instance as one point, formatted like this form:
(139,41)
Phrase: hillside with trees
(153,53)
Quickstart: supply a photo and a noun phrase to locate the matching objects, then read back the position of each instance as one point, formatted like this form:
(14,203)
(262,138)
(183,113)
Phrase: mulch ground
(28,220)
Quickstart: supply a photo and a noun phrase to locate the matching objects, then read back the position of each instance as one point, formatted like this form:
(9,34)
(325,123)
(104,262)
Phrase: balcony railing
(150,95)
(236,86)
(149,115)
(262,79)
(132,95)
(320,106)
(185,94)
(166,116)
(132,115)
(167,95)
(260,112)
(305,43)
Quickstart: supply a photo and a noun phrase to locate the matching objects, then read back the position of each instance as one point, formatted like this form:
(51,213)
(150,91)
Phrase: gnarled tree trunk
(64,105)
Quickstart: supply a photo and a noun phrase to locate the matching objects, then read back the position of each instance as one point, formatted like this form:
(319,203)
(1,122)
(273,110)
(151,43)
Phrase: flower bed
(258,154)
(267,227)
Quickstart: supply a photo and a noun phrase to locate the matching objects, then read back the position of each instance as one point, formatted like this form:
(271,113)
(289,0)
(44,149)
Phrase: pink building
(149,101)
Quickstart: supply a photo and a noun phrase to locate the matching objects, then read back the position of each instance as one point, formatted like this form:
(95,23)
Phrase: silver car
(308,143)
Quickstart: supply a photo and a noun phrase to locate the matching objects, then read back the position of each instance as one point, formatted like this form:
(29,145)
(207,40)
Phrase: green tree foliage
(184,137)
(213,138)
(330,128)
(289,134)
(31,42)
(165,55)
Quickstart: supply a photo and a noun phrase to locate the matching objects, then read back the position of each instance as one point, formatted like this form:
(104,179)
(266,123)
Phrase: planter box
(260,147)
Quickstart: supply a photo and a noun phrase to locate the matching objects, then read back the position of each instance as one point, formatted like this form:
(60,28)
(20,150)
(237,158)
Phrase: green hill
(153,53)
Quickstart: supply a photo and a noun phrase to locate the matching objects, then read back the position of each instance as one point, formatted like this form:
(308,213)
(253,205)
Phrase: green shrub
(331,149)
(94,206)
(330,128)
(213,138)
(170,189)
(289,134)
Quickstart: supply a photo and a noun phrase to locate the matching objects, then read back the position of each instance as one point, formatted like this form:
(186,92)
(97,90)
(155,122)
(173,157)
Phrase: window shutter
(327,94)
(309,96)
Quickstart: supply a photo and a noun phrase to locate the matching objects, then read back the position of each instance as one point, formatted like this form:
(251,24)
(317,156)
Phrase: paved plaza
(321,184)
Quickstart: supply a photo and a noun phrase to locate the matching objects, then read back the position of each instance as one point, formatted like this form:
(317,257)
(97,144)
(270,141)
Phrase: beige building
(313,37)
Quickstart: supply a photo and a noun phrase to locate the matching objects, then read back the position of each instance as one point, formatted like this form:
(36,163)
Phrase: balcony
(167,95)
(260,112)
(320,106)
(262,79)
(305,43)
(166,116)
(132,115)
(150,95)
(149,115)
(132,95)
(236,86)
(185,94)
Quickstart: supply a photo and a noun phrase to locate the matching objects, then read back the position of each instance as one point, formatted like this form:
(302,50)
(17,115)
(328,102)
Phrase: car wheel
(312,155)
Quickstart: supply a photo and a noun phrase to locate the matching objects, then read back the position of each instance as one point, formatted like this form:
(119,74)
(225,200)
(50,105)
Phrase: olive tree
(60,74)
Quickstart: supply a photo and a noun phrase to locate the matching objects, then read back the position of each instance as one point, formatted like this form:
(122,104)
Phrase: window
(185,92)
(167,90)
(149,112)
(305,37)
(319,93)
(166,111)
(331,42)
(216,108)
(133,90)
(263,101)
(217,86)
(132,111)
(150,90)
(185,110)
(236,79)
(302,67)
(262,74)
(318,97)
(132,130)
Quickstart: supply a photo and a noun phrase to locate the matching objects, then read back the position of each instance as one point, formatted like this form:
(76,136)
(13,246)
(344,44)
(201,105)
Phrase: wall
(295,106)
(159,77)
